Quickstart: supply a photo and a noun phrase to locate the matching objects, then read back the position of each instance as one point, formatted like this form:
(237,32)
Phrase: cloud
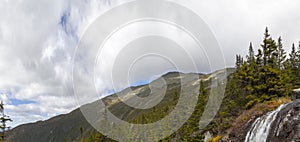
(236,23)
(38,40)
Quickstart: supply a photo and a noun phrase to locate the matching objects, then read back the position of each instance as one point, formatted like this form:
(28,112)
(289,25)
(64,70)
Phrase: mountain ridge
(72,126)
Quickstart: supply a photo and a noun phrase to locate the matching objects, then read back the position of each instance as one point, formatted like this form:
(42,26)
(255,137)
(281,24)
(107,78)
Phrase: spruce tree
(250,57)
(297,58)
(4,119)
(293,65)
(269,47)
(281,54)
(293,57)
(287,77)
(297,67)
(265,46)
(259,60)
(298,55)
(239,61)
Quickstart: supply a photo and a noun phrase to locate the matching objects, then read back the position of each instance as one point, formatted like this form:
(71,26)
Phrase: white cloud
(236,23)
(36,53)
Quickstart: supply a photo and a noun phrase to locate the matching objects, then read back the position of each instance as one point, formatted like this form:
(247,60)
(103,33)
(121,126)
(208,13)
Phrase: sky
(38,40)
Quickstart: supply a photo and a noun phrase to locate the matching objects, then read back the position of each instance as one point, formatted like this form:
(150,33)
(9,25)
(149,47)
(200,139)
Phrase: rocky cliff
(279,125)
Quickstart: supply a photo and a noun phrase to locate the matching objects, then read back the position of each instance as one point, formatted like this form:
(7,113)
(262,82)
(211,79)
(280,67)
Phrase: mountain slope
(73,126)
(58,128)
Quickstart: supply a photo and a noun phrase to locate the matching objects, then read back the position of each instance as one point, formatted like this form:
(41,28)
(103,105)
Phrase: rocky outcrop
(242,124)
(280,125)
(286,127)
(262,126)
(295,94)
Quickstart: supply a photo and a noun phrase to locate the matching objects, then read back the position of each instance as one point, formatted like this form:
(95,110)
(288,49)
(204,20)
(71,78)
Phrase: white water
(260,128)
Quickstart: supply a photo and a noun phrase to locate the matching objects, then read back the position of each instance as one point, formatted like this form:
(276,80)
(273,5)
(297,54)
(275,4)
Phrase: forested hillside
(261,82)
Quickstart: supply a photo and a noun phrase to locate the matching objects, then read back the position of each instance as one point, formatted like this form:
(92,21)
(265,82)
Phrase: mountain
(73,126)
(276,120)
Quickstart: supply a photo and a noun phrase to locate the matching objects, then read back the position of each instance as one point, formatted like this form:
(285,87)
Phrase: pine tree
(287,77)
(250,57)
(265,46)
(239,61)
(293,57)
(298,57)
(201,98)
(262,77)
(4,119)
(269,47)
(281,54)
(297,67)
(202,90)
(298,53)
(259,60)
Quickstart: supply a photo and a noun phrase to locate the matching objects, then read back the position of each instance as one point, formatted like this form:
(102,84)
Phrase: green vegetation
(260,83)
(268,74)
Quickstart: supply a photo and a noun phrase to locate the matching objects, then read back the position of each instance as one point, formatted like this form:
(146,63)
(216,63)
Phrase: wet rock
(295,94)
(286,126)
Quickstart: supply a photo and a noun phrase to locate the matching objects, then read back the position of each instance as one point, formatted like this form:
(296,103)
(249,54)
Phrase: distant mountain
(73,126)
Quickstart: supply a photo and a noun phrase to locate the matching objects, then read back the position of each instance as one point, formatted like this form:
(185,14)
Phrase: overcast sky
(38,40)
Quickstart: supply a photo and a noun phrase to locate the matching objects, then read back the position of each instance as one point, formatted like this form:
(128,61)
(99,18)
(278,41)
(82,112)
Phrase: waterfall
(260,128)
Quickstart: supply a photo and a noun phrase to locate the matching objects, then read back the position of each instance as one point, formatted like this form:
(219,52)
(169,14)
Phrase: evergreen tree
(265,46)
(259,60)
(281,54)
(202,98)
(263,76)
(293,57)
(202,90)
(296,69)
(239,61)
(3,118)
(250,57)
(293,65)
(269,47)
(298,56)
(287,77)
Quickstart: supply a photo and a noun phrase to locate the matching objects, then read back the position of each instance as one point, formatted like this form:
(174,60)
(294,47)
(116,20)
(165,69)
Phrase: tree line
(270,73)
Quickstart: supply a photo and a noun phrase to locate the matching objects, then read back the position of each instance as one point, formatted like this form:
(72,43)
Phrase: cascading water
(260,128)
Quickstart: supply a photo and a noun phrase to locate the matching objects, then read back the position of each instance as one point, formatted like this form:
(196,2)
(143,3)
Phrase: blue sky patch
(63,20)
(21,102)
(67,26)
(141,82)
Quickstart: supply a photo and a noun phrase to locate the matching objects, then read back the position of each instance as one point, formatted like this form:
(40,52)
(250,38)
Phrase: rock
(295,94)
(207,136)
(286,126)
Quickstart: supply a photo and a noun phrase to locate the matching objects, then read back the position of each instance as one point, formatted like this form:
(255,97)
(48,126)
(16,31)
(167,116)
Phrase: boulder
(295,94)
